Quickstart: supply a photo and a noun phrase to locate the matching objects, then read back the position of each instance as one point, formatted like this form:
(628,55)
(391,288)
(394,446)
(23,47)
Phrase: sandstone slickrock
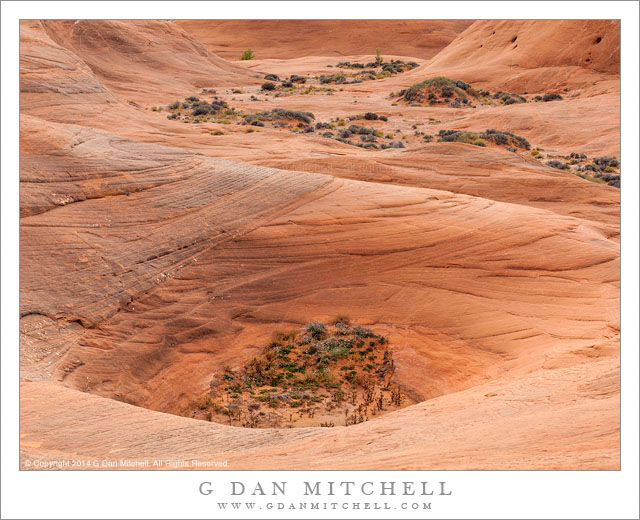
(154,253)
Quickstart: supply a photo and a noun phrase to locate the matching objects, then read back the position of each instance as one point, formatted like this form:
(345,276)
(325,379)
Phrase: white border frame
(476,494)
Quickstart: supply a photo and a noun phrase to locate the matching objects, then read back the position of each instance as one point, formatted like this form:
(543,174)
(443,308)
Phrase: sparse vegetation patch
(498,137)
(453,93)
(321,375)
(280,115)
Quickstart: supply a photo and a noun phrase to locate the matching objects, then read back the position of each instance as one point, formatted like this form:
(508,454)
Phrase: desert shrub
(294,78)
(535,153)
(371,116)
(174,105)
(497,136)
(378,57)
(192,99)
(574,155)
(383,118)
(362,332)
(267,85)
(336,348)
(558,165)
(217,132)
(429,90)
(341,320)
(609,178)
(551,97)
(272,77)
(448,136)
(173,116)
(280,113)
(604,162)
(317,329)
(201,110)
(505,138)
(338,79)
(247,55)
(447,92)
(349,65)
(509,99)
(287,84)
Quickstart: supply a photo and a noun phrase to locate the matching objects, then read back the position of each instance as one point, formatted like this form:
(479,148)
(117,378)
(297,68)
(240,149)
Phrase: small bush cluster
(507,98)
(558,165)
(280,113)
(506,138)
(611,180)
(392,144)
(460,136)
(604,162)
(319,368)
(294,78)
(439,90)
(204,108)
(393,66)
(198,108)
(374,70)
(337,79)
(551,97)
(372,116)
(267,85)
(455,93)
(499,137)
(601,169)
(272,77)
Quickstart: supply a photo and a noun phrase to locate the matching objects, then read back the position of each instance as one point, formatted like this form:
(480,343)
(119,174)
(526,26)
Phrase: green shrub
(317,329)
(247,55)
(378,57)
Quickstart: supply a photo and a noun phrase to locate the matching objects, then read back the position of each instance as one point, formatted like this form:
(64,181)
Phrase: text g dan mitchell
(328,488)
